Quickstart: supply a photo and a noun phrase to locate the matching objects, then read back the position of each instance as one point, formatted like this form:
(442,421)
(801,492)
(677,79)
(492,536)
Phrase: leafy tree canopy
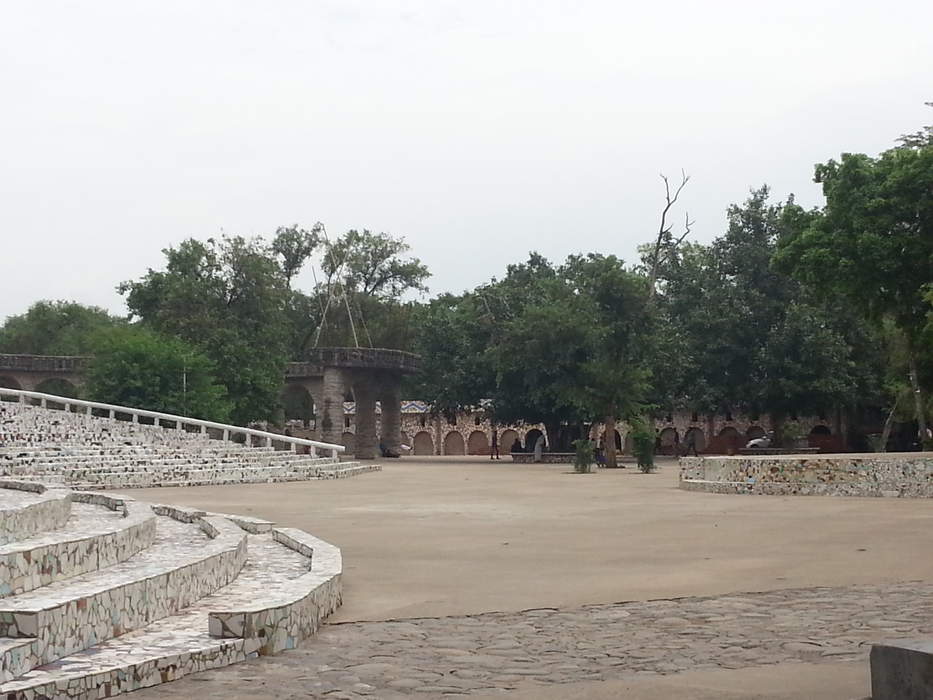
(134,366)
(55,328)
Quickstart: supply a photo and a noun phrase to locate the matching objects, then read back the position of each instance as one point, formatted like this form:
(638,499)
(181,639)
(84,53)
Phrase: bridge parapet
(70,364)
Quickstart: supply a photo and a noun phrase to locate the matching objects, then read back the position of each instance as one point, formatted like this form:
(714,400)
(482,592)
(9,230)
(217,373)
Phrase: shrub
(643,445)
(583,460)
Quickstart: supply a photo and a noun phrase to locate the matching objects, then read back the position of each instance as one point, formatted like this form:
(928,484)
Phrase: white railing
(227,431)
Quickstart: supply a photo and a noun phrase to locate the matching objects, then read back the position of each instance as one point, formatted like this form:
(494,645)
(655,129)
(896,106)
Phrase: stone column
(365,399)
(330,416)
(391,402)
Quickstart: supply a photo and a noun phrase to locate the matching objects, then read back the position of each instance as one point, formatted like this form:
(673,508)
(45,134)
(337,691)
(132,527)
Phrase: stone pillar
(330,416)
(365,399)
(391,402)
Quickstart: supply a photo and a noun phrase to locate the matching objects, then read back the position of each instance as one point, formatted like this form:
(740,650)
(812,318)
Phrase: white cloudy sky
(478,130)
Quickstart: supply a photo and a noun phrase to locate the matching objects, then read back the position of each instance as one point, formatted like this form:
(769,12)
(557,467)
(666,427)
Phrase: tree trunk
(918,397)
(609,442)
(888,423)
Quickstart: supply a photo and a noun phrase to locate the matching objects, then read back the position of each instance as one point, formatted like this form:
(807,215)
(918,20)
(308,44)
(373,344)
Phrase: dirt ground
(430,537)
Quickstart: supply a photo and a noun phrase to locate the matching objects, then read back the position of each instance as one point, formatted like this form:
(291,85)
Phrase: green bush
(643,445)
(583,460)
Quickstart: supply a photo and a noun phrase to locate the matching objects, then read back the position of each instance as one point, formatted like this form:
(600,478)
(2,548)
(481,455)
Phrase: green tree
(136,367)
(227,298)
(55,328)
(294,246)
(873,242)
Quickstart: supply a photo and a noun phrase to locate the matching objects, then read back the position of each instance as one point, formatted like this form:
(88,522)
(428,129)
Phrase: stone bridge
(328,375)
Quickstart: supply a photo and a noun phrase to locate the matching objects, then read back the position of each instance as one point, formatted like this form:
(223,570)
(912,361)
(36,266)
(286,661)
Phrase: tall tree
(55,328)
(873,242)
(227,297)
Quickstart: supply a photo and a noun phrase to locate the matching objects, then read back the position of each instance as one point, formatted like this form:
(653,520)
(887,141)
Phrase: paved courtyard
(466,577)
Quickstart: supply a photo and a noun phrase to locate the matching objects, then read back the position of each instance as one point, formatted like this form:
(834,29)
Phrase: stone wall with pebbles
(905,475)
(123,614)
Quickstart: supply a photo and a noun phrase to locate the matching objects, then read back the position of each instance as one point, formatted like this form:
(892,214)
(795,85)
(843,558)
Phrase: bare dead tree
(666,243)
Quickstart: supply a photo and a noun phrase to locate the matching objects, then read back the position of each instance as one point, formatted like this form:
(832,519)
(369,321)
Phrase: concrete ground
(431,537)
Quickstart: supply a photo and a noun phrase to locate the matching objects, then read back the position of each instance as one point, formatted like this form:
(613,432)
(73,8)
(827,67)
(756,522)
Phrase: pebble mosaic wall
(905,475)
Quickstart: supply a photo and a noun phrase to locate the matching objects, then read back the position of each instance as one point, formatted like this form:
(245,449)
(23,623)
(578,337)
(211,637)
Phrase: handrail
(180,421)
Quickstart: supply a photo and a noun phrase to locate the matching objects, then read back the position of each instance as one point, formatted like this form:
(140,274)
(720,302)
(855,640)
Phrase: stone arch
(453,443)
(821,430)
(298,404)
(9,383)
(348,440)
(754,432)
(729,440)
(532,437)
(508,440)
(477,443)
(58,387)
(423,444)
(668,440)
(698,438)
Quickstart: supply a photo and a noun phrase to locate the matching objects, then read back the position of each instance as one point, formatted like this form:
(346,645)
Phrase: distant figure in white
(763,441)
(539,448)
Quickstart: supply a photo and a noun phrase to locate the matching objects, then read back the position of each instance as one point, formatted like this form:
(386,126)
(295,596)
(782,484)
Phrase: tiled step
(29,508)
(187,562)
(276,597)
(94,537)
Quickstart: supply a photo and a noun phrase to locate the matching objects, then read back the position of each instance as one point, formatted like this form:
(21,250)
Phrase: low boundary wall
(893,475)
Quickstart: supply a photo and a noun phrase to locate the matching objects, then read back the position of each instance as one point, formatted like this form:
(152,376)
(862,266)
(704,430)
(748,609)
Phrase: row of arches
(477,442)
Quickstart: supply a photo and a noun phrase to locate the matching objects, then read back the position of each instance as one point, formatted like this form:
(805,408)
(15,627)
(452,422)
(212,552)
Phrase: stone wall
(906,475)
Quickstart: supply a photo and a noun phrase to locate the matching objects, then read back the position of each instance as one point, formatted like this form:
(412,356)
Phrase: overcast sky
(477,130)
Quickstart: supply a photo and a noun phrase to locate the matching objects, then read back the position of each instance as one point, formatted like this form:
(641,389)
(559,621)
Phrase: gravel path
(435,657)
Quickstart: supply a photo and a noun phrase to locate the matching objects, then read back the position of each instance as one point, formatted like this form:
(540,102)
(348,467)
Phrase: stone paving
(495,652)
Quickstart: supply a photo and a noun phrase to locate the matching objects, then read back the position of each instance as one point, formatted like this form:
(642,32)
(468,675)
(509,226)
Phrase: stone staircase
(86,452)
(102,595)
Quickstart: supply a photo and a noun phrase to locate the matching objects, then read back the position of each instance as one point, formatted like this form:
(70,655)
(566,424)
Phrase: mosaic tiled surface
(906,475)
(143,618)
(85,452)
(26,512)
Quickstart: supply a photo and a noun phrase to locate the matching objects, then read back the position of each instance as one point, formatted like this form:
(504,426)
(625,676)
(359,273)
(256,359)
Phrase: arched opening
(754,432)
(729,440)
(298,404)
(822,437)
(453,443)
(9,383)
(348,440)
(696,437)
(821,430)
(424,443)
(668,441)
(477,443)
(58,387)
(508,440)
(531,439)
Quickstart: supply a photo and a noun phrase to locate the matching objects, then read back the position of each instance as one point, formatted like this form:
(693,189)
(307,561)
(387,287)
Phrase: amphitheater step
(186,562)
(101,532)
(276,599)
(30,508)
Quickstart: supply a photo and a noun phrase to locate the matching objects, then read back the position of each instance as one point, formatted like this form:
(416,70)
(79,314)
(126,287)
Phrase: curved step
(29,508)
(102,531)
(187,562)
(275,590)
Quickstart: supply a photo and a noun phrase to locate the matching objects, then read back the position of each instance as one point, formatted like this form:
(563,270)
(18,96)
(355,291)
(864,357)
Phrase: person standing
(494,450)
